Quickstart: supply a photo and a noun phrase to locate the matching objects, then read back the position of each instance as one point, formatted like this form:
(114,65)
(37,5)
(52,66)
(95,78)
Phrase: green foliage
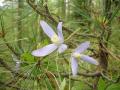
(27,57)
(87,17)
(101,84)
(80,86)
(114,87)
(63,84)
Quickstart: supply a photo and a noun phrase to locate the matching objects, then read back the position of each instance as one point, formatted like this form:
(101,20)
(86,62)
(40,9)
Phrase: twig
(96,74)
(2,84)
(110,80)
(49,17)
(95,84)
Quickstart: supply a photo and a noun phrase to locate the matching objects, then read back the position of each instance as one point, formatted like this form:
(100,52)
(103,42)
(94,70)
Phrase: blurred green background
(97,21)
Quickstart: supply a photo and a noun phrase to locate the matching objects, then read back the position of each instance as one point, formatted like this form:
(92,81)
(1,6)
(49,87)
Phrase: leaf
(101,84)
(27,57)
(114,87)
(80,86)
(48,84)
(63,84)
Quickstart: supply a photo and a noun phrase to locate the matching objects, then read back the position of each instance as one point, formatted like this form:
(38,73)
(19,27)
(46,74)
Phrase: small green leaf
(27,57)
(114,87)
(63,84)
(101,84)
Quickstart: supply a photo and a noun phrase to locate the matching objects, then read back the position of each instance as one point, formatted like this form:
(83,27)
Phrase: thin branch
(110,80)
(95,84)
(96,74)
(2,84)
(49,17)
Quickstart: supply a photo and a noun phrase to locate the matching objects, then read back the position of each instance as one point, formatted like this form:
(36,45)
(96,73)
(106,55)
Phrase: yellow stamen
(55,39)
(76,55)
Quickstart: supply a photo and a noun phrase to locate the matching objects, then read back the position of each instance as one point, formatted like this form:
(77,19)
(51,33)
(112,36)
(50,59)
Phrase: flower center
(76,55)
(55,39)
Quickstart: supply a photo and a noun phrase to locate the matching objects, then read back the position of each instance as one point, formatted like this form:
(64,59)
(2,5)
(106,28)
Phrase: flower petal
(74,66)
(62,48)
(82,47)
(47,29)
(44,51)
(89,59)
(59,28)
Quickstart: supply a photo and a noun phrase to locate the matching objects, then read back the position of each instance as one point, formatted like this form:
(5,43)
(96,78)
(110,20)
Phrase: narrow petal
(74,66)
(82,47)
(47,29)
(44,51)
(59,28)
(89,59)
(62,48)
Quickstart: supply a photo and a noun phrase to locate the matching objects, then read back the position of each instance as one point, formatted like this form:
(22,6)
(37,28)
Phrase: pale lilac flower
(76,55)
(57,40)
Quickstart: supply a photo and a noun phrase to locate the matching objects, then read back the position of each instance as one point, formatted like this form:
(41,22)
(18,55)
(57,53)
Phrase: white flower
(57,40)
(76,55)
